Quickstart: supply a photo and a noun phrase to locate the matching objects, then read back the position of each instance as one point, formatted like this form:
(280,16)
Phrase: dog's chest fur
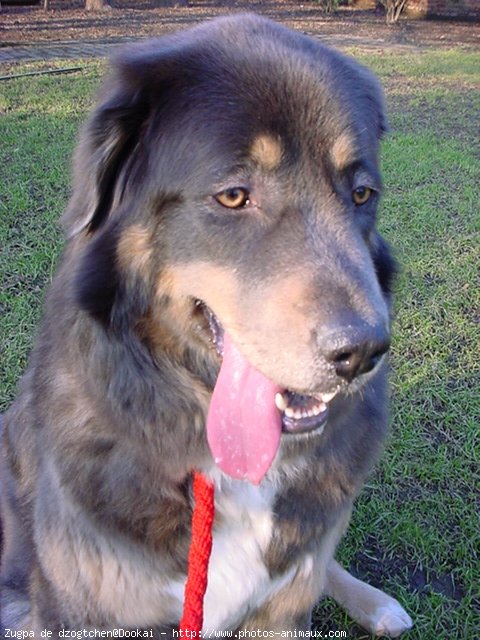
(132,587)
(238,580)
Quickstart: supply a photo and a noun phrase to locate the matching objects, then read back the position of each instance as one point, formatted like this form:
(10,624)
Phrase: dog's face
(227,188)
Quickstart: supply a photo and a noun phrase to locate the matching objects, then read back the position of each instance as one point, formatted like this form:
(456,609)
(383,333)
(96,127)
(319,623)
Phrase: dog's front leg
(290,607)
(374,610)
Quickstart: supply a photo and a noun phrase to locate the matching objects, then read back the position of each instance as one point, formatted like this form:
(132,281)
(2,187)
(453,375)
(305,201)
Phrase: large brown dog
(222,305)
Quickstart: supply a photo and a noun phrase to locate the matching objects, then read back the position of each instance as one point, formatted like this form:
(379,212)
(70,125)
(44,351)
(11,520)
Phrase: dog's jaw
(249,413)
(300,412)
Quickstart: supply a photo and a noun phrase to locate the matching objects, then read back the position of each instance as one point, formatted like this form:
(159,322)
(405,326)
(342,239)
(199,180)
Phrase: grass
(415,530)
(38,127)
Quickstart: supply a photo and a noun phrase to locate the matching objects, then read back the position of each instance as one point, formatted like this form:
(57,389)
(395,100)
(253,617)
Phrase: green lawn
(415,531)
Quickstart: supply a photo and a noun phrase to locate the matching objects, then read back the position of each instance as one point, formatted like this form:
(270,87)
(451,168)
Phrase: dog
(222,305)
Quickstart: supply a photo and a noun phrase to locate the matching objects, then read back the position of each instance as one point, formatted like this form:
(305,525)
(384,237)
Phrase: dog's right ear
(112,153)
(111,146)
(106,154)
(105,148)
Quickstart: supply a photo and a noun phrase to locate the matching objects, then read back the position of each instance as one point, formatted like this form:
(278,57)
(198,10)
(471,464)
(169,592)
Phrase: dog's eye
(360,195)
(234,198)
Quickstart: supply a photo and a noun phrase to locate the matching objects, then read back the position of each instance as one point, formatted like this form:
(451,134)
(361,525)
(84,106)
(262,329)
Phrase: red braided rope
(199,554)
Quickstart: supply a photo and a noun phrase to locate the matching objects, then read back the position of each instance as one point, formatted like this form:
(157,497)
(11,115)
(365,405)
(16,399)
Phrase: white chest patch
(238,580)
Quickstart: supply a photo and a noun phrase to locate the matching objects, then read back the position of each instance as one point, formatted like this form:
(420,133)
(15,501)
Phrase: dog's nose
(358,350)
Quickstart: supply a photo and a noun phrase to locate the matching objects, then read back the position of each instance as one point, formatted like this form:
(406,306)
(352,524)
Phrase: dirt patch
(425,582)
(68,21)
(372,565)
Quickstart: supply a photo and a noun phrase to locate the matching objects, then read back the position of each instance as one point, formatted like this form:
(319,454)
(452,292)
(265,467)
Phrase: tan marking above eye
(360,195)
(343,151)
(233,198)
(266,150)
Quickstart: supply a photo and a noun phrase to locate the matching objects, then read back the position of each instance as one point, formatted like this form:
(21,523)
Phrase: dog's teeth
(280,402)
(318,409)
(326,397)
(298,413)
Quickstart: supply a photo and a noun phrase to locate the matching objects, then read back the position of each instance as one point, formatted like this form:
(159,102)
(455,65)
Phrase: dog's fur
(99,448)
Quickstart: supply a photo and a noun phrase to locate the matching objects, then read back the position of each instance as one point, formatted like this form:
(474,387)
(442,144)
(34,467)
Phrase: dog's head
(226,192)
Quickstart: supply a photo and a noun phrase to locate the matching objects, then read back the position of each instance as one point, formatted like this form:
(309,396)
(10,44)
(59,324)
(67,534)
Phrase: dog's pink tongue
(243,424)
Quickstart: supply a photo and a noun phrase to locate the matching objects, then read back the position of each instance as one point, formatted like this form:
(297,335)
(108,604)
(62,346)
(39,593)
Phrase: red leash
(199,554)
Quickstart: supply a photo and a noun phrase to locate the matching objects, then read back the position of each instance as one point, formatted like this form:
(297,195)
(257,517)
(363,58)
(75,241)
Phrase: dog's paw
(390,620)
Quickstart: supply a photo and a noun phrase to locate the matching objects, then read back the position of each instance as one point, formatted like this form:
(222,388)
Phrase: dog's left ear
(373,99)
(385,264)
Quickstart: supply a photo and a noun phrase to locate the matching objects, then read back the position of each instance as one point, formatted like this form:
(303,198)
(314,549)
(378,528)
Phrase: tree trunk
(97,5)
(394,9)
